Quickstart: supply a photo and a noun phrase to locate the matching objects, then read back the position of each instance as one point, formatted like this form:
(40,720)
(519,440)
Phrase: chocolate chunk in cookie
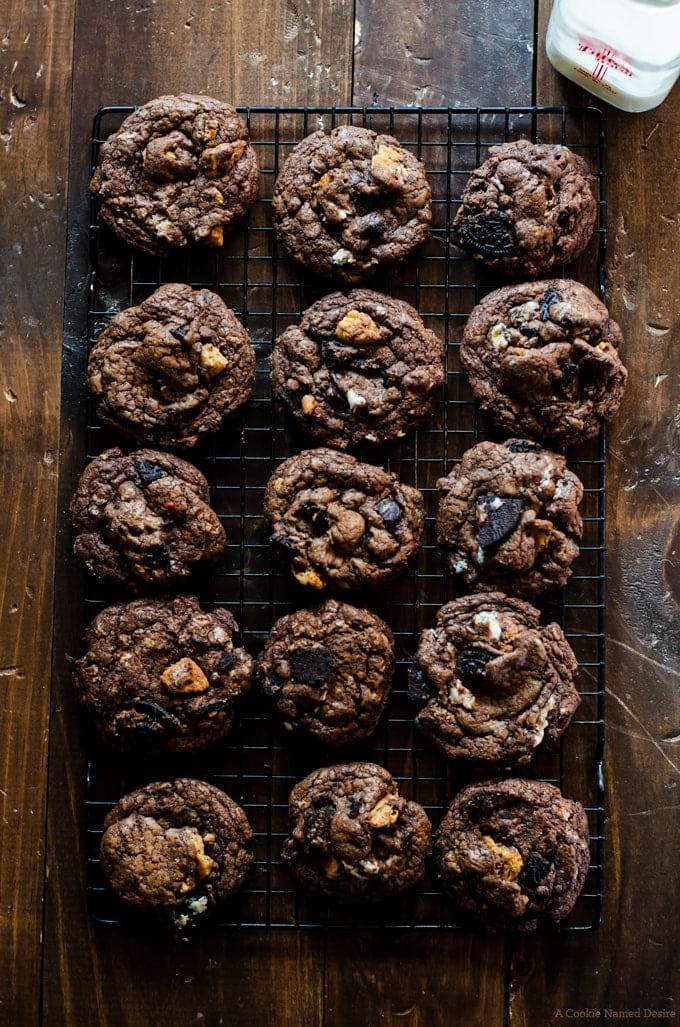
(169,371)
(162,675)
(509,516)
(498,683)
(543,359)
(353,837)
(176,849)
(349,200)
(513,853)
(358,367)
(143,520)
(343,522)
(528,207)
(179,170)
(329,669)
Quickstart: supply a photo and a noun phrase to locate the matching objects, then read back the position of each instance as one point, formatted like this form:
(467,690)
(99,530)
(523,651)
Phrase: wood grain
(629,963)
(35,65)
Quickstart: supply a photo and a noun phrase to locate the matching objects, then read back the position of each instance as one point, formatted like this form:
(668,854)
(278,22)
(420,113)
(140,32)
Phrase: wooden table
(61,62)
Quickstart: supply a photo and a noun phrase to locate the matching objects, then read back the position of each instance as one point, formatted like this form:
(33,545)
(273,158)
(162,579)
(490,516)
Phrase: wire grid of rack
(258,764)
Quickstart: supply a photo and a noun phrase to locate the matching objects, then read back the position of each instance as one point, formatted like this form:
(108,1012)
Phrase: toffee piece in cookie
(543,359)
(176,849)
(169,371)
(343,522)
(353,837)
(349,200)
(142,520)
(528,207)
(329,670)
(495,683)
(513,853)
(509,517)
(358,367)
(179,170)
(162,675)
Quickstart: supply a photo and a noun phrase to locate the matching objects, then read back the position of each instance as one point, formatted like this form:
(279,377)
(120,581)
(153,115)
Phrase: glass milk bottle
(625,51)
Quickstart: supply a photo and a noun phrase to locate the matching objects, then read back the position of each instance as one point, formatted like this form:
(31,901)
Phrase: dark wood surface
(60,62)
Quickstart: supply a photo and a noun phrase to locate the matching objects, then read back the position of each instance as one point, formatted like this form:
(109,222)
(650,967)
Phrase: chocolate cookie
(357,368)
(142,519)
(162,675)
(353,837)
(179,170)
(495,682)
(543,359)
(528,207)
(343,523)
(509,516)
(169,371)
(347,201)
(176,849)
(513,853)
(329,670)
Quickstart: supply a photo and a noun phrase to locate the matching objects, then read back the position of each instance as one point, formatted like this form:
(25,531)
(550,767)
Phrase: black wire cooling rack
(258,765)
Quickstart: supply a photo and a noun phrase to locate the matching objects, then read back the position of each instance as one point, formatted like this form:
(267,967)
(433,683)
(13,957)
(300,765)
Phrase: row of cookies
(346,520)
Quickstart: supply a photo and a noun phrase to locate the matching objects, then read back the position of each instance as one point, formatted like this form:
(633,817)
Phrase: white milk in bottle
(625,51)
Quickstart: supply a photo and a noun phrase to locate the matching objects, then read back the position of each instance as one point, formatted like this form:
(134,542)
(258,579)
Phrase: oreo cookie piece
(174,850)
(162,675)
(329,670)
(495,684)
(513,853)
(142,520)
(543,359)
(509,517)
(343,523)
(358,368)
(526,208)
(350,200)
(352,837)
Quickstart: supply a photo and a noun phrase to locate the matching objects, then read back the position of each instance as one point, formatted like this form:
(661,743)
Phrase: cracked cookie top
(509,517)
(513,853)
(543,359)
(169,371)
(349,200)
(176,849)
(526,208)
(179,170)
(162,675)
(342,522)
(352,836)
(329,671)
(492,682)
(358,367)
(143,520)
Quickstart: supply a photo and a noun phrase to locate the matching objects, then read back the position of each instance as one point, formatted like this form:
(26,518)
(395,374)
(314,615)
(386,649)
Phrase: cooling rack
(258,765)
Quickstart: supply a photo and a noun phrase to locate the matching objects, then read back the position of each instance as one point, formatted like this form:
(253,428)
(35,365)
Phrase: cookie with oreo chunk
(343,523)
(143,520)
(174,850)
(353,837)
(526,208)
(329,671)
(349,200)
(493,684)
(171,370)
(543,359)
(179,170)
(513,853)
(162,675)
(358,368)
(509,517)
